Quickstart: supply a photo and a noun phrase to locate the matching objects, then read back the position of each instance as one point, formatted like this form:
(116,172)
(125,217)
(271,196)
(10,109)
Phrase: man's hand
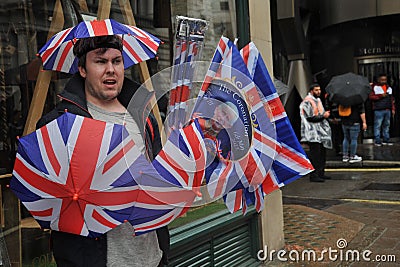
(327,114)
(364,126)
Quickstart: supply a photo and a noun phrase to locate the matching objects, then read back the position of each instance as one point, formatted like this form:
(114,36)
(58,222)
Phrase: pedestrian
(336,125)
(351,118)
(383,106)
(315,130)
(100,91)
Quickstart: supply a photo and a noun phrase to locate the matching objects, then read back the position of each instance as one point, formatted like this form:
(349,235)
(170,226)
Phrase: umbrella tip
(37,54)
(8,185)
(17,137)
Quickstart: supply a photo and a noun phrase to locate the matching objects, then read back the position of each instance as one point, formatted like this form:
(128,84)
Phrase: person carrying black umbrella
(351,118)
(315,130)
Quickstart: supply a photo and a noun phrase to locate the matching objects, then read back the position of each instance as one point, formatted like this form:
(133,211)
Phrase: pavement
(356,212)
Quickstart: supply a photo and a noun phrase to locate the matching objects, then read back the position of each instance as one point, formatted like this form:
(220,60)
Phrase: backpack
(344,111)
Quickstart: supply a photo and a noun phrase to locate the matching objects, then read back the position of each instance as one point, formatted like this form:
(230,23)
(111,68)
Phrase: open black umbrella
(348,89)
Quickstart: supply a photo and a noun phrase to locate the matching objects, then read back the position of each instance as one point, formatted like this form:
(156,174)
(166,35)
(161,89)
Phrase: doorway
(371,68)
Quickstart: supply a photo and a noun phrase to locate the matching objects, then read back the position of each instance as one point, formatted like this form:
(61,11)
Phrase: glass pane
(25,26)
(221,18)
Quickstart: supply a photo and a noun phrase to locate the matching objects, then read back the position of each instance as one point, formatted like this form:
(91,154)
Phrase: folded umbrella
(348,89)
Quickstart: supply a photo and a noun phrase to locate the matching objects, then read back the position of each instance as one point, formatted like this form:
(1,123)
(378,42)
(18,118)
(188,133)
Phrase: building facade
(312,40)
(332,37)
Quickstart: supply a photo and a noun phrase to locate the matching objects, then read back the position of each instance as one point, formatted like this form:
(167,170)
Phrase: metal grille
(228,240)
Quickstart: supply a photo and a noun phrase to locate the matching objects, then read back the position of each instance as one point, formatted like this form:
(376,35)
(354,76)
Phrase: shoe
(326,177)
(387,143)
(378,144)
(355,159)
(317,180)
(345,158)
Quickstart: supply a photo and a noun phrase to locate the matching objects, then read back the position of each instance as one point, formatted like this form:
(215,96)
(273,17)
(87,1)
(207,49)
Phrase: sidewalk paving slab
(317,225)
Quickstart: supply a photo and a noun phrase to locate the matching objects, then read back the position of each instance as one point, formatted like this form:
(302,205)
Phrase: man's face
(104,74)
(382,80)
(223,116)
(316,91)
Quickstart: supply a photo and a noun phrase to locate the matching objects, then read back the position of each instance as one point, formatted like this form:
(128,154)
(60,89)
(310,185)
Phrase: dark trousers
(317,156)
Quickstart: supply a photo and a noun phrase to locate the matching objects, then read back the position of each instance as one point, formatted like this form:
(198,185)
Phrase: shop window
(224,5)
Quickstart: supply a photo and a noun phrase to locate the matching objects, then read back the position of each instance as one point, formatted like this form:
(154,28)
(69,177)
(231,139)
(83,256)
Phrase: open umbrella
(57,53)
(348,89)
(85,177)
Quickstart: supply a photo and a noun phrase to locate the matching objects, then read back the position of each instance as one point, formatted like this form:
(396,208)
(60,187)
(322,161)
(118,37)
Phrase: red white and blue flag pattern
(289,161)
(189,41)
(85,177)
(181,166)
(249,171)
(57,53)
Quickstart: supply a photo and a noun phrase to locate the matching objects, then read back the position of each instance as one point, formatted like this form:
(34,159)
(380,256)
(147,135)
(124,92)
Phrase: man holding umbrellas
(100,91)
(383,106)
(315,130)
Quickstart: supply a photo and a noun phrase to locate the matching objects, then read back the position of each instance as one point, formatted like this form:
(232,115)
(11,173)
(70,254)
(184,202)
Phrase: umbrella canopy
(348,89)
(57,53)
(85,177)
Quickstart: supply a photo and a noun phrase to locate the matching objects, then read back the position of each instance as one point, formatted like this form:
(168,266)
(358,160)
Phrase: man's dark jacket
(74,250)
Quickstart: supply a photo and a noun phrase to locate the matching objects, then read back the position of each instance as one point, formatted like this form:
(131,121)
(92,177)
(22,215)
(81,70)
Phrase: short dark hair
(312,86)
(85,45)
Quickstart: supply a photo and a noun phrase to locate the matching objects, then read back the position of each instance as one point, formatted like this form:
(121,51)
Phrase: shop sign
(384,50)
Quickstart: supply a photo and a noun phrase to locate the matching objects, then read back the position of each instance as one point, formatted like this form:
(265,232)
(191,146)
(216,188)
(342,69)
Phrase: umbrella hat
(138,45)
(85,177)
(348,89)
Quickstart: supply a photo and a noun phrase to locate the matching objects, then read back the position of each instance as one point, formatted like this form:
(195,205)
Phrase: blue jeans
(382,120)
(350,136)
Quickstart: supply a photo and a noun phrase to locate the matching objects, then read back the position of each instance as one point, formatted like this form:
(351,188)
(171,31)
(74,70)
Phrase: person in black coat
(75,250)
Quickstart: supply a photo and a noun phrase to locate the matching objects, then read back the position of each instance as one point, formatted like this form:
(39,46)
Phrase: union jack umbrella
(291,162)
(189,42)
(250,169)
(273,139)
(57,53)
(85,177)
(181,165)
